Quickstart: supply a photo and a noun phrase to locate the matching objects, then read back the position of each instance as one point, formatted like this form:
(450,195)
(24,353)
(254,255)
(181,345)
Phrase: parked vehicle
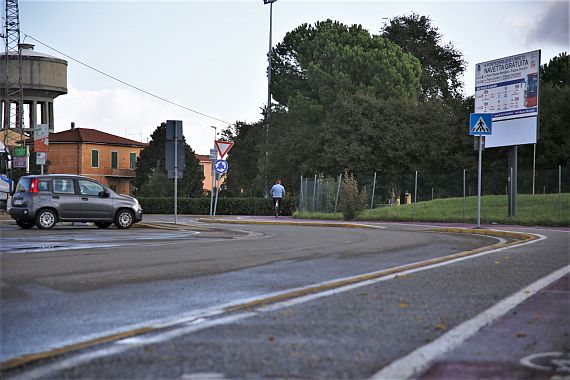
(44,200)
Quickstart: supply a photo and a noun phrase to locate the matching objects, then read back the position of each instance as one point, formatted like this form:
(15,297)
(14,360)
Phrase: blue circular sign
(221,166)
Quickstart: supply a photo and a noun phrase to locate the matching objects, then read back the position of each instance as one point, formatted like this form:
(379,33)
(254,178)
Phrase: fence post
(464,199)
(337,192)
(314,193)
(559,191)
(301,196)
(373,189)
(415,192)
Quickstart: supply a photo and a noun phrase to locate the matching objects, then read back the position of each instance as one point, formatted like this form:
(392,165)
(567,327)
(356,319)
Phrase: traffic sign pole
(479,182)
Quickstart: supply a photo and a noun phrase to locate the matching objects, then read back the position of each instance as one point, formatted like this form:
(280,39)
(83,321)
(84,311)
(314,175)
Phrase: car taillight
(34,186)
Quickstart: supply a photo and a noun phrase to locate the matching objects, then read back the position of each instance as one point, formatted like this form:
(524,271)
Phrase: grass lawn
(531,210)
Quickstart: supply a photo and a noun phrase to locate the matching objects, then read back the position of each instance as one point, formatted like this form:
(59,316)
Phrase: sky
(211,56)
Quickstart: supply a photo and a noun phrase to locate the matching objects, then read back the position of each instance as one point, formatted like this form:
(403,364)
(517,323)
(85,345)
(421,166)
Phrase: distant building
(102,156)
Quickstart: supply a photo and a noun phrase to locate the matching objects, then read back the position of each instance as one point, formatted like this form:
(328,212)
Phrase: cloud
(551,28)
(127,113)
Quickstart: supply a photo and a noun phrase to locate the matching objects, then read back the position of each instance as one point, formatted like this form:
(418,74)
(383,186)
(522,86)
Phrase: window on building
(114,160)
(95,158)
(133,161)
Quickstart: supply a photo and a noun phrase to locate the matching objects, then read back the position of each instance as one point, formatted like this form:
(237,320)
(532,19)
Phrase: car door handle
(85,199)
(55,197)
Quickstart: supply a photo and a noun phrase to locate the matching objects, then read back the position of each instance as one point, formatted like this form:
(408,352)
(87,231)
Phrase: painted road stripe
(262,304)
(419,359)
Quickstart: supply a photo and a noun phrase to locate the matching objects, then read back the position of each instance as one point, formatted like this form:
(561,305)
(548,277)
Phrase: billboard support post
(513,154)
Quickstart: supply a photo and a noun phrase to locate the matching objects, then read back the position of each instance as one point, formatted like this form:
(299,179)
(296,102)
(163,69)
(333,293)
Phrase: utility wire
(125,83)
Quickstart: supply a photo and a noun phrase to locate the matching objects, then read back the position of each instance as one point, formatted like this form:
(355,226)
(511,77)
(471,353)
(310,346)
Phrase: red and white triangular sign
(223,147)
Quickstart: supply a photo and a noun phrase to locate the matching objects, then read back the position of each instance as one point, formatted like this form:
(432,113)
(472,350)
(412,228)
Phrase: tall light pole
(268,112)
(212,173)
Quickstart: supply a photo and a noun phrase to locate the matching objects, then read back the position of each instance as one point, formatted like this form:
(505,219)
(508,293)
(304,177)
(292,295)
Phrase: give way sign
(223,147)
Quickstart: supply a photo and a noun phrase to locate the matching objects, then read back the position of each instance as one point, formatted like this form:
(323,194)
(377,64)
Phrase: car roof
(48,176)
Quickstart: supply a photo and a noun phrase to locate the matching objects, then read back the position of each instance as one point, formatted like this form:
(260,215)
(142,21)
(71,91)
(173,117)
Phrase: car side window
(63,186)
(43,186)
(89,188)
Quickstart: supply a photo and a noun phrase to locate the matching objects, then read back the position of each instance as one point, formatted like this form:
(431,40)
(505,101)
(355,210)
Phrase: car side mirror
(104,194)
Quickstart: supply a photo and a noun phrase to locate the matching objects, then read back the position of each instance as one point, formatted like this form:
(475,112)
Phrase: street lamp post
(212,173)
(268,112)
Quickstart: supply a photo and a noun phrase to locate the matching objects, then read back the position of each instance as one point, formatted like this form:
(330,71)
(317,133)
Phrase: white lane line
(419,359)
(187,321)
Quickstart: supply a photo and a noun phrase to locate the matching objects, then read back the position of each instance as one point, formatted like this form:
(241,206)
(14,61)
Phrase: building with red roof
(108,158)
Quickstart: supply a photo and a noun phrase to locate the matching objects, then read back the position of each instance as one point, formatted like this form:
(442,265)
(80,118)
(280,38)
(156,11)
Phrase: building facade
(104,157)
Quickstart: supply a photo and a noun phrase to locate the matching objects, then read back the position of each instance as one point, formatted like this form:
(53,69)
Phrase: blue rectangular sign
(480,124)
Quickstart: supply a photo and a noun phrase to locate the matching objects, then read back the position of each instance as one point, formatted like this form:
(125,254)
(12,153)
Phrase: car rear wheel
(25,224)
(103,224)
(46,219)
(124,219)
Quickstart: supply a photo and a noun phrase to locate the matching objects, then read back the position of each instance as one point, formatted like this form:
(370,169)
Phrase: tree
(151,166)
(245,178)
(321,61)
(557,71)
(442,65)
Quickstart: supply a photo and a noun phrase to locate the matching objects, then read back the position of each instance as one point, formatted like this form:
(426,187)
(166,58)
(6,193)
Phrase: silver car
(44,200)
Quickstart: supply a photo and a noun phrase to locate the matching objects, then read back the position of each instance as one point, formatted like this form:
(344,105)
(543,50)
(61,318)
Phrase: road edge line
(419,359)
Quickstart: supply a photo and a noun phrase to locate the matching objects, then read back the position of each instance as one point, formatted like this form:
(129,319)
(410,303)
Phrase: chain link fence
(322,194)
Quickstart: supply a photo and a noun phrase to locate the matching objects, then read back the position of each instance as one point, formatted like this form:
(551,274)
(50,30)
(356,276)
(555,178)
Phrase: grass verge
(543,210)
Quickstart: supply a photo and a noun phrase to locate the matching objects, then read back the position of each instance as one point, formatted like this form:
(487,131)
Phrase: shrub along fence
(226,206)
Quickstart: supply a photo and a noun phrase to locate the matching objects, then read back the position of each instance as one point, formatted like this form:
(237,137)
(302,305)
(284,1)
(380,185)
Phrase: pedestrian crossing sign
(480,124)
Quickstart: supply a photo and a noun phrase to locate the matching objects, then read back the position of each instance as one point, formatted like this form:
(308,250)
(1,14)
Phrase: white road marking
(418,360)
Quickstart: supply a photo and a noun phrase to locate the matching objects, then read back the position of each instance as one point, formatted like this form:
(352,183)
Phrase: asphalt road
(200,285)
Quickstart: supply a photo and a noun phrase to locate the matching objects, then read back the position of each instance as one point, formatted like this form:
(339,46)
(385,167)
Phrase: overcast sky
(210,56)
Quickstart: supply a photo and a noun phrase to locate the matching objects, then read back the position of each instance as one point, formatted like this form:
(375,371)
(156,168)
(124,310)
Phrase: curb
(303,224)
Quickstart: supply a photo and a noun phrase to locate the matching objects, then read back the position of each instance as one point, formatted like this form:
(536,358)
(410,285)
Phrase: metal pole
(314,192)
(268,113)
(301,196)
(415,192)
(175,175)
(511,214)
(559,191)
(212,173)
(337,192)
(464,199)
(432,193)
(479,182)
(533,168)
(217,192)
(373,189)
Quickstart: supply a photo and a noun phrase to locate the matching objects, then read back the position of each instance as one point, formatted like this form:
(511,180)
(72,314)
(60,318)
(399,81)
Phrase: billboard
(508,88)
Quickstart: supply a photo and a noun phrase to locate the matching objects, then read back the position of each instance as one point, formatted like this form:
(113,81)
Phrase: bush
(226,206)
(352,200)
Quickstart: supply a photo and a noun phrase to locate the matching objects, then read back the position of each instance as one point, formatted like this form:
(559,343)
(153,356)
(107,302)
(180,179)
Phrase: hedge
(226,206)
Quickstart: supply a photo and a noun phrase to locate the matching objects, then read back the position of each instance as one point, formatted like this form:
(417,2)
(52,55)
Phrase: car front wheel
(46,219)
(124,219)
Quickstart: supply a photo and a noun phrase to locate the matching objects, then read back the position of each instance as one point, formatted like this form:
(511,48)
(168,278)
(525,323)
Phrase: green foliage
(557,71)
(225,206)
(352,200)
(442,65)
(326,59)
(151,170)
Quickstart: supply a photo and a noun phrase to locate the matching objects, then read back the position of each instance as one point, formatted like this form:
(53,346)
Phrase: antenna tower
(14,94)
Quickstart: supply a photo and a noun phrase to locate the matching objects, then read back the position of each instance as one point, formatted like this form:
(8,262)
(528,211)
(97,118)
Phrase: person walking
(277,193)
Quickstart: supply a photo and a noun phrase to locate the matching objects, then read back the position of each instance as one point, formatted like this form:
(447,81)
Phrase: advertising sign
(508,88)
(41,138)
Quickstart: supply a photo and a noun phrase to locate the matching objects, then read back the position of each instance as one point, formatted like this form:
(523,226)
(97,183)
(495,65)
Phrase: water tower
(43,79)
